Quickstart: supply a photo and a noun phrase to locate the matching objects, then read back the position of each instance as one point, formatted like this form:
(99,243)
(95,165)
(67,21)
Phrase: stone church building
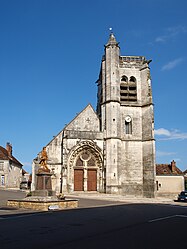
(112,149)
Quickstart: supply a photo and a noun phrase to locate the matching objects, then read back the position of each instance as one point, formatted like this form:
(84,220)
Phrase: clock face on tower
(128,119)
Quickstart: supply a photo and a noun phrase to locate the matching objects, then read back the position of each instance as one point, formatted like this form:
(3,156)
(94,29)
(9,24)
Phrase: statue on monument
(43,161)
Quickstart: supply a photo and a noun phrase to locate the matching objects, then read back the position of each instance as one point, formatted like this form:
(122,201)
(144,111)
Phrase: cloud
(26,164)
(165,134)
(162,131)
(160,39)
(177,30)
(172,64)
(163,153)
(171,33)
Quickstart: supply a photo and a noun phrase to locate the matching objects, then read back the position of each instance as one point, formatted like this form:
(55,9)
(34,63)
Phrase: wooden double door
(79,180)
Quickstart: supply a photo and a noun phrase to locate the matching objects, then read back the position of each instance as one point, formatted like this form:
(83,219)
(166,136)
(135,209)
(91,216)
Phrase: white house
(10,169)
(169,180)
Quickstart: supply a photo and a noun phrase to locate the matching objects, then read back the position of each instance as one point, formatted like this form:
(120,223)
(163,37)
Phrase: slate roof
(4,156)
(166,169)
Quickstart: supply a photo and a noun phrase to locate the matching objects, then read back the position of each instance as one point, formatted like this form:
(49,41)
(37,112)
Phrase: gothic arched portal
(86,168)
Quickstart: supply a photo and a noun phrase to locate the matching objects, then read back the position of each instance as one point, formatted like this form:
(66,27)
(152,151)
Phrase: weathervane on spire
(110,30)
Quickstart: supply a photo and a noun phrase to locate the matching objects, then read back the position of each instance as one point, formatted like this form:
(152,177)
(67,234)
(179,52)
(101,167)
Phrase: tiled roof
(24,172)
(4,156)
(166,169)
(185,172)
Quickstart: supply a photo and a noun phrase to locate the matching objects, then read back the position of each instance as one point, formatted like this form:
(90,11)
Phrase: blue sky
(50,54)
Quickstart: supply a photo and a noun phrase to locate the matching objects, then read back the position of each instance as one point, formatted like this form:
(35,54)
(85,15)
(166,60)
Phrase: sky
(50,55)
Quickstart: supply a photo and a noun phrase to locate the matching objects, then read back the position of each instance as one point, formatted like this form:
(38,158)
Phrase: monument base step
(42,204)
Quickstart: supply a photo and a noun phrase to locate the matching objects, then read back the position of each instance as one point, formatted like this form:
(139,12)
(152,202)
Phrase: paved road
(10,194)
(127,226)
(115,225)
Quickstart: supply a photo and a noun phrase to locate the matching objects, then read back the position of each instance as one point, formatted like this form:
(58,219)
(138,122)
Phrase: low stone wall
(43,205)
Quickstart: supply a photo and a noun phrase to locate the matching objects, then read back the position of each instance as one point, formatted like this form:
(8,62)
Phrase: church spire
(112,40)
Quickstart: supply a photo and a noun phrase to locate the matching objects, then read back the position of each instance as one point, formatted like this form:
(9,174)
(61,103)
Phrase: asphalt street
(97,224)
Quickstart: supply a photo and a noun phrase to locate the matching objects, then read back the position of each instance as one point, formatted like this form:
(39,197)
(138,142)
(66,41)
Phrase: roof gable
(5,156)
(185,172)
(86,120)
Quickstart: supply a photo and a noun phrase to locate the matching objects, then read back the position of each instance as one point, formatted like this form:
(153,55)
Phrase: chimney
(173,166)
(9,149)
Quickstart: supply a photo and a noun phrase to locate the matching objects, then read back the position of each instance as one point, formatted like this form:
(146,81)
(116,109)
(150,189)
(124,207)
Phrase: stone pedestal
(43,185)
(43,198)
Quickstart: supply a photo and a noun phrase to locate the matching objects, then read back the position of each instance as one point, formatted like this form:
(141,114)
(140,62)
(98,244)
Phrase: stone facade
(111,150)
(10,169)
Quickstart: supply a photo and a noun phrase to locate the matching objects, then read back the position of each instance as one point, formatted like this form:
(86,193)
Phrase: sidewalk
(126,199)
(5,195)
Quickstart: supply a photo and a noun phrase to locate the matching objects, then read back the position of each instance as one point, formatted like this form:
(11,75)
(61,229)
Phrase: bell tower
(126,114)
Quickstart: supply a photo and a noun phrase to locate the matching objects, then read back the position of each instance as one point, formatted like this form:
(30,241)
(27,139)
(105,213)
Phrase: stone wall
(42,205)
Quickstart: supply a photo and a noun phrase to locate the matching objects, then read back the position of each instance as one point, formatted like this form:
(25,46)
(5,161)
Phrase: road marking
(181,215)
(169,217)
(163,218)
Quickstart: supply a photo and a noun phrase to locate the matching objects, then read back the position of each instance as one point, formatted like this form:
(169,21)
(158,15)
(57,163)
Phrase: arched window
(132,79)
(128,125)
(124,78)
(79,162)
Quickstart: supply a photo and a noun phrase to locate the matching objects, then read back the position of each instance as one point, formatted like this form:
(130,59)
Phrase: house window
(157,186)
(2,180)
(1,166)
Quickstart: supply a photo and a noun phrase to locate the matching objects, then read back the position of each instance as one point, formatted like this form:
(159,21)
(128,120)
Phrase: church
(110,149)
